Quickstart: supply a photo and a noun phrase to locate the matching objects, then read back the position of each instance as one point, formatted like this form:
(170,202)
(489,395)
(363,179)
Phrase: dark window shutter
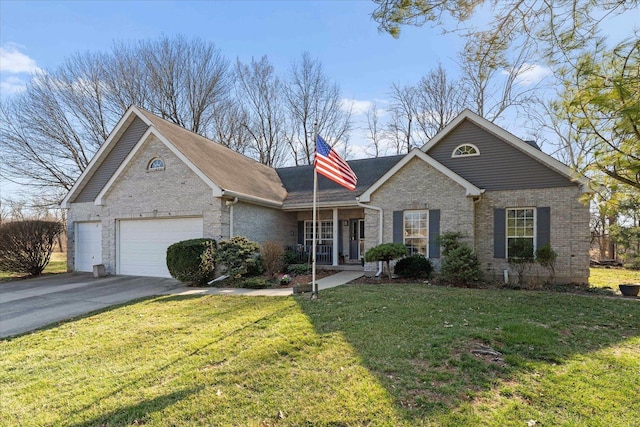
(434,233)
(398,225)
(499,233)
(301,232)
(543,232)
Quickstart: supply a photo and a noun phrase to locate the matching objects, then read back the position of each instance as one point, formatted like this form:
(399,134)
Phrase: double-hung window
(416,231)
(324,232)
(521,230)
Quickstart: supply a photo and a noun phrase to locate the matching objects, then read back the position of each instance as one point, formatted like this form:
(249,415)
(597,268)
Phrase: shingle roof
(226,168)
(298,180)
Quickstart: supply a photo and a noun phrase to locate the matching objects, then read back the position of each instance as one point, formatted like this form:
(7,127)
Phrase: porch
(340,234)
(324,257)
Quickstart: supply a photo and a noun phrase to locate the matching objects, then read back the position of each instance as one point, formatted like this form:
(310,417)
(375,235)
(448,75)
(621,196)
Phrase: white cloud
(357,107)
(12,85)
(529,74)
(15,62)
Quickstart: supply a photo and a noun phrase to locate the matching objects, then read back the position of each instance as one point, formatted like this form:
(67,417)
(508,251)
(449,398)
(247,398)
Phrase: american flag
(330,165)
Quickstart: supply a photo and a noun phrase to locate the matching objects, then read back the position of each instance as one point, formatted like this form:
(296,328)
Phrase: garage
(142,244)
(88,245)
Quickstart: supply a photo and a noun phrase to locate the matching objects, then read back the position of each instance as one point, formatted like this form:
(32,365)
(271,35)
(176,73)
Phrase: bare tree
(439,100)
(186,79)
(395,132)
(493,78)
(259,92)
(312,98)
(403,107)
(49,132)
(228,126)
(376,132)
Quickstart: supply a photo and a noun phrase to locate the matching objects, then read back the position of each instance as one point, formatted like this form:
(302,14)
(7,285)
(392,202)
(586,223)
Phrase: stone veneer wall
(418,186)
(174,192)
(570,236)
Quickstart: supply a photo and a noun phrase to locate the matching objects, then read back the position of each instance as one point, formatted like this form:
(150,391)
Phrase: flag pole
(314,285)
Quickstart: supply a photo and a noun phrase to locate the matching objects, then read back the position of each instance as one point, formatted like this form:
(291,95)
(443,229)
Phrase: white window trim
(475,147)
(321,222)
(404,238)
(152,169)
(506,229)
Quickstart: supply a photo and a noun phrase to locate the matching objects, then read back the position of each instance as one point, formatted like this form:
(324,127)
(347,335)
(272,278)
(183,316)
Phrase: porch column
(336,224)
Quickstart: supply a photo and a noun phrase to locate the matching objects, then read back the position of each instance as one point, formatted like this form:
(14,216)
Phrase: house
(153,183)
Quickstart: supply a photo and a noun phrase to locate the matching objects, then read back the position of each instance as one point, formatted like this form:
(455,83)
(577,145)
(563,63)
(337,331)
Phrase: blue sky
(340,33)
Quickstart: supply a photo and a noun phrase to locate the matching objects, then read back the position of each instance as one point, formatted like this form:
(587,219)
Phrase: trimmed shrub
(25,246)
(299,269)
(386,252)
(413,267)
(521,257)
(273,257)
(191,261)
(546,257)
(238,256)
(460,265)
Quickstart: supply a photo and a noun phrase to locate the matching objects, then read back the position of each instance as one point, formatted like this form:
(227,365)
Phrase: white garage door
(88,245)
(143,243)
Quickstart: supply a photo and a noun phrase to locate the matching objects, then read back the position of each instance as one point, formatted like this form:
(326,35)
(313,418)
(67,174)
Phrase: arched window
(465,150)
(156,165)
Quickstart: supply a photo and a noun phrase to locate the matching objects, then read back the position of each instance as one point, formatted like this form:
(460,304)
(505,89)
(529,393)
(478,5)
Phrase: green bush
(191,261)
(414,267)
(521,257)
(255,283)
(460,265)
(298,269)
(546,257)
(386,252)
(238,257)
(25,246)
(289,257)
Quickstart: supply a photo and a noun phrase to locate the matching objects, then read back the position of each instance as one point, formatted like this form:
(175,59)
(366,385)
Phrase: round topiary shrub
(413,267)
(190,261)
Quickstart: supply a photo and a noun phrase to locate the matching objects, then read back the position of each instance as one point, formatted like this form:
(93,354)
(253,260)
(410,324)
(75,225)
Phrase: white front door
(143,243)
(88,246)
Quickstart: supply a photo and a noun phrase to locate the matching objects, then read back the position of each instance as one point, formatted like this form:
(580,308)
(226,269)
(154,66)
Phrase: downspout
(376,208)
(475,199)
(230,204)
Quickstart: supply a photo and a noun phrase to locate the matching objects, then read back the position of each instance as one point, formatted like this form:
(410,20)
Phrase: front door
(356,238)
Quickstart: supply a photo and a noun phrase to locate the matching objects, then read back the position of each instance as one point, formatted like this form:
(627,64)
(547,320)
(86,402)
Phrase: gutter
(379,209)
(256,200)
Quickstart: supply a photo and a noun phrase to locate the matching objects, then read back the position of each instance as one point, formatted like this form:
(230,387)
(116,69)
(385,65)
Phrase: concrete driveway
(26,305)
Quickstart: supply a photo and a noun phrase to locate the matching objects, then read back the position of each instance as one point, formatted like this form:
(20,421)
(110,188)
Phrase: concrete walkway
(328,282)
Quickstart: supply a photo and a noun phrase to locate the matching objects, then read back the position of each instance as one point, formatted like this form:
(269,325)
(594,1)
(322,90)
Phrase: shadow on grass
(419,341)
(138,414)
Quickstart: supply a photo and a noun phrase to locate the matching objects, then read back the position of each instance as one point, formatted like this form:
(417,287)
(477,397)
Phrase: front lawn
(601,277)
(57,264)
(379,355)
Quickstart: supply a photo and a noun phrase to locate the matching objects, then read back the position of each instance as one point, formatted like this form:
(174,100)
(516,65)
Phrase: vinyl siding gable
(114,158)
(500,166)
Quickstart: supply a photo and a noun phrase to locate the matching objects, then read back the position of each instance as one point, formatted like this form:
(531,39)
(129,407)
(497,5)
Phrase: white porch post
(336,224)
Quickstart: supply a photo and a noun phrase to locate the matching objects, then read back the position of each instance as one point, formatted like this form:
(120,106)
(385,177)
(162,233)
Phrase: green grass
(611,277)
(383,355)
(57,264)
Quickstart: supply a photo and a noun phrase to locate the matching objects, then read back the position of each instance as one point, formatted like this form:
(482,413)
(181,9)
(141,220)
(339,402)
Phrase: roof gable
(471,190)
(508,162)
(224,170)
